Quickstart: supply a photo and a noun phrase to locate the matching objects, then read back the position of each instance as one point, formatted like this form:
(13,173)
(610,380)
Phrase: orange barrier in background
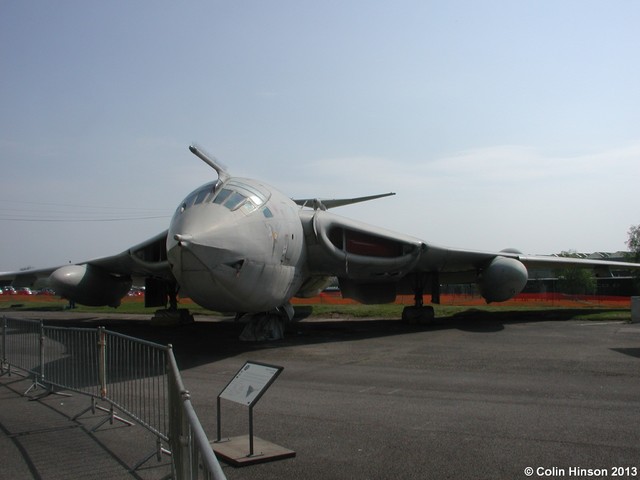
(334,298)
(539,299)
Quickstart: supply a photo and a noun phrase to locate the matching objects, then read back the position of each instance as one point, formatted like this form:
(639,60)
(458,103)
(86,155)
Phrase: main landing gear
(419,313)
(172,315)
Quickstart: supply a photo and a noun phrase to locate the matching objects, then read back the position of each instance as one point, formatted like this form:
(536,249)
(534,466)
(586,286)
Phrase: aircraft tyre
(418,315)
(171,317)
(263,327)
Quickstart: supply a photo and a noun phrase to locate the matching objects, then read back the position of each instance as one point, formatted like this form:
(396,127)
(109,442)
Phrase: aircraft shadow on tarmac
(632,352)
(205,342)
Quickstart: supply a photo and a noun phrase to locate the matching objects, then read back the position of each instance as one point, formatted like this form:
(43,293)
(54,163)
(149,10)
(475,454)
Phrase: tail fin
(316,203)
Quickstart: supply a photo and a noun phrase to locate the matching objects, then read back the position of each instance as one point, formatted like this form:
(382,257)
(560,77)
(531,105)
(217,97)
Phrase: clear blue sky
(498,123)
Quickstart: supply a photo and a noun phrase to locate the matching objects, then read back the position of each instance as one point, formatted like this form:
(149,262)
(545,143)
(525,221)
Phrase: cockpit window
(248,206)
(238,195)
(199,196)
(202,194)
(234,200)
(189,201)
(222,196)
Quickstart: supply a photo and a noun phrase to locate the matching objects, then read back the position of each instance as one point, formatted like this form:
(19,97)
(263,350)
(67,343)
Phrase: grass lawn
(571,307)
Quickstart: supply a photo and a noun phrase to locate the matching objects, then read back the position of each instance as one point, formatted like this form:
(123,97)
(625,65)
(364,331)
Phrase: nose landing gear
(267,325)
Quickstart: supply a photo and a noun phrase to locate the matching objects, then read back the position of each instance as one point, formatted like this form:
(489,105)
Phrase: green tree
(633,241)
(575,280)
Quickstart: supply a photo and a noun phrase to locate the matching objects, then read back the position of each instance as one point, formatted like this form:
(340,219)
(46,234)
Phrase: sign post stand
(246,388)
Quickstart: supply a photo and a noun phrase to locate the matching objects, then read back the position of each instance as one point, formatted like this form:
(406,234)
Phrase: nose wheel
(267,326)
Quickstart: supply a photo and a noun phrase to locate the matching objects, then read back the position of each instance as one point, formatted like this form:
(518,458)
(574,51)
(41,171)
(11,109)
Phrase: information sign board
(249,384)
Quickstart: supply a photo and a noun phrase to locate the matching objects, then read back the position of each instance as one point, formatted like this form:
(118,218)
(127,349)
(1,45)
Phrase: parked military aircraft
(240,245)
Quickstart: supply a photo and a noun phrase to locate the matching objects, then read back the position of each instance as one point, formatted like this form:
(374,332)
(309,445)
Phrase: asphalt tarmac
(481,397)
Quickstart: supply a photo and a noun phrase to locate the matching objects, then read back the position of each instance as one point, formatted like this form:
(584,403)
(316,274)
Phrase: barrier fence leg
(38,377)
(110,418)
(3,361)
(50,391)
(91,408)
(102,361)
(158,452)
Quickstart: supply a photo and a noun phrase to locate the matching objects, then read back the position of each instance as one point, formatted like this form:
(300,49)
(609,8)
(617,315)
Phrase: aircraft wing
(457,259)
(373,265)
(32,278)
(147,259)
(101,281)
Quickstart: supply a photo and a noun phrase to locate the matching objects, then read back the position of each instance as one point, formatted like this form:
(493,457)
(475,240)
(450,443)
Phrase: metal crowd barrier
(70,359)
(139,378)
(191,449)
(24,347)
(134,378)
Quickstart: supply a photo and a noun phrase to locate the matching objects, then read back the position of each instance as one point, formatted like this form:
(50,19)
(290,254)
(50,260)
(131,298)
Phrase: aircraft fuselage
(237,246)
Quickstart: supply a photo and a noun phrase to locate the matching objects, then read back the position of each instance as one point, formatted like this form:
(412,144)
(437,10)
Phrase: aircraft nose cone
(202,240)
(210,248)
